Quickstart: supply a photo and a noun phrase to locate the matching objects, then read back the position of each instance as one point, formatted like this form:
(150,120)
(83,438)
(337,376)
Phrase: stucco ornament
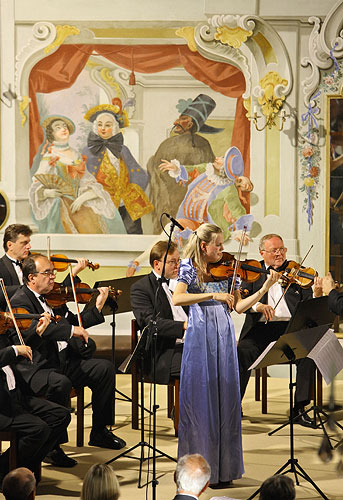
(234,37)
(62,32)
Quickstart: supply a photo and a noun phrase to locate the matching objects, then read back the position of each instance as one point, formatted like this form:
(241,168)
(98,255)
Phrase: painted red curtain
(60,70)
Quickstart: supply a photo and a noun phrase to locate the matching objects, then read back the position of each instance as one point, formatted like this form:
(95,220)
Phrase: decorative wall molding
(325,44)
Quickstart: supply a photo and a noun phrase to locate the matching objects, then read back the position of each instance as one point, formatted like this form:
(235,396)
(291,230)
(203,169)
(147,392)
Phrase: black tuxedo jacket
(335,302)
(293,295)
(168,330)
(10,277)
(8,357)
(45,350)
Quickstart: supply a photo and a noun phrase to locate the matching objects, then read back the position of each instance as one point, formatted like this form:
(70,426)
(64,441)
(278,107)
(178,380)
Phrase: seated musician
(63,356)
(17,244)
(264,323)
(39,424)
(335,300)
(171,320)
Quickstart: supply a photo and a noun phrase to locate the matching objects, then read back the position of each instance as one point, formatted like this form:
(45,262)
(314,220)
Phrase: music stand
(111,307)
(139,354)
(309,314)
(287,349)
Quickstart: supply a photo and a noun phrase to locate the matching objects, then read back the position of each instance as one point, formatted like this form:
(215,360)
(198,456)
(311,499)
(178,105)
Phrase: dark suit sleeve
(7,356)
(335,302)
(89,318)
(143,308)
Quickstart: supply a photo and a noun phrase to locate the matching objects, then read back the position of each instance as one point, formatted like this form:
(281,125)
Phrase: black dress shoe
(221,485)
(106,439)
(302,418)
(59,458)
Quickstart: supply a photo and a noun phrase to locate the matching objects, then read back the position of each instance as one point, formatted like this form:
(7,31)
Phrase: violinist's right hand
(272,278)
(81,333)
(267,311)
(24,350)
(225,297)
(43,323)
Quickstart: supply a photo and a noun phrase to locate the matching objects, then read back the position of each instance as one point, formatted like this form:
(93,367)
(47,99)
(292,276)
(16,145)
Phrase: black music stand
(287,349)
(140,354)
(112,307)
(309,314)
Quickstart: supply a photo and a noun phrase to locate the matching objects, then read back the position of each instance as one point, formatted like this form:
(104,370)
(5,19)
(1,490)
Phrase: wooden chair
(11,436)
(80,414)
(172,388)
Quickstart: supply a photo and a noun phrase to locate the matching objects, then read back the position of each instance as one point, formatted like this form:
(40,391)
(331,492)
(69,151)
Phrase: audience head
(19,484)
(17,241)
(157,254)
(100,483)
(192,474)
(277,487)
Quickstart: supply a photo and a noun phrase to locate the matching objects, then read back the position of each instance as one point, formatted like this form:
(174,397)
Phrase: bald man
(19,484)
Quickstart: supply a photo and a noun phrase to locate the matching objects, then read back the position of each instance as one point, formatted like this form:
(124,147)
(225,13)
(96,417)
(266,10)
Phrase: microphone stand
(152,339)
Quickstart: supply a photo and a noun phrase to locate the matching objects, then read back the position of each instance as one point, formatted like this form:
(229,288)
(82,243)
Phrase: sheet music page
(328,356)
(261,356)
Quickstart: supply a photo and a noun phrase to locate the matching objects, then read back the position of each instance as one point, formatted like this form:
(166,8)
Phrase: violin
(61,262)
(248,270)
(60,294)
(295,273)
(22,317)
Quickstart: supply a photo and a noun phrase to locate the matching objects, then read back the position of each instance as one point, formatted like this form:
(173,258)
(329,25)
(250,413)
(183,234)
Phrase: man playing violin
(62,357)
(264,323)
(39,424)
(17,245)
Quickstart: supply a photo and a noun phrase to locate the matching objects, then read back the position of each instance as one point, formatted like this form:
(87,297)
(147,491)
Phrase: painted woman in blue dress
(210,402)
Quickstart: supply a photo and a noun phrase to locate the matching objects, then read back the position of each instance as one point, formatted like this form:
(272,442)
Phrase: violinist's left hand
(43,323)
(317,287)
(102,297)
(80,266)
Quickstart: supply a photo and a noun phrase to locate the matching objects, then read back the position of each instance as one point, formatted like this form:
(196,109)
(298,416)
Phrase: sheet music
(261,356)
(328,356)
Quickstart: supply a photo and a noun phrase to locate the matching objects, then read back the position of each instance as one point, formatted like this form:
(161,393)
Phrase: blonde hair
(100,483)
(206,232)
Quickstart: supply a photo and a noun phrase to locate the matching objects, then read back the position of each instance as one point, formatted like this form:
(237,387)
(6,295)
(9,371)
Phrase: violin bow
(48,245)
(75,297)
(3,288)
(294,276)
(238,260)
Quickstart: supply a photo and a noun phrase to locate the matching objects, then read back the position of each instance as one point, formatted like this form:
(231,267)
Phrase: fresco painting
(87,177)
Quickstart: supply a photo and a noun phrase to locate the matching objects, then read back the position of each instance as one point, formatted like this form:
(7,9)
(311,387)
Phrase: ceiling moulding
(247,42)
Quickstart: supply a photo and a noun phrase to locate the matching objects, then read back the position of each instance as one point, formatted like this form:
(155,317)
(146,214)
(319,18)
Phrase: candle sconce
(272,110)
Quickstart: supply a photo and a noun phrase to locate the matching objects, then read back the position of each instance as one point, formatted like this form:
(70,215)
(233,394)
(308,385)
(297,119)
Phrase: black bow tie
(18,263)
(97,144)
(42,299)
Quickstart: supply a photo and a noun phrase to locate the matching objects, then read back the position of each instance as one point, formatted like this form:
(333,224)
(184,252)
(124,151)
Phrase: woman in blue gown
(210,402)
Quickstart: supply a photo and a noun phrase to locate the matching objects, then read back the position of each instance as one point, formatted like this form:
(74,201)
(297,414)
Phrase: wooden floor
(263,454)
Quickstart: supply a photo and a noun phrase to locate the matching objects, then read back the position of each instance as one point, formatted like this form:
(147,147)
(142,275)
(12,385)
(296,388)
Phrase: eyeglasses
(274,251)
(47,273)
(173,262)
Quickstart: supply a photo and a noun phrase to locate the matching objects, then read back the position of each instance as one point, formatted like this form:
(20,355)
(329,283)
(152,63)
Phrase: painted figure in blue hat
(113,165)
(214,193)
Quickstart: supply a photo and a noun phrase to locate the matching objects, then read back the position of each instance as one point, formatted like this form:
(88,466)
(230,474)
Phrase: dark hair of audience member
(277,487)
(100,483)
(19,484)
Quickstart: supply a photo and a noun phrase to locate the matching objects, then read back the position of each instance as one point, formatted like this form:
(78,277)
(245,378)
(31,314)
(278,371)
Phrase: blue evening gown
(210,402)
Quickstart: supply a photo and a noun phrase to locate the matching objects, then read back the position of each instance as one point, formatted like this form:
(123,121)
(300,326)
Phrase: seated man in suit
(265,323)
(171,321)
(17,244)
(61,361)
(39,423)
(192,476)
